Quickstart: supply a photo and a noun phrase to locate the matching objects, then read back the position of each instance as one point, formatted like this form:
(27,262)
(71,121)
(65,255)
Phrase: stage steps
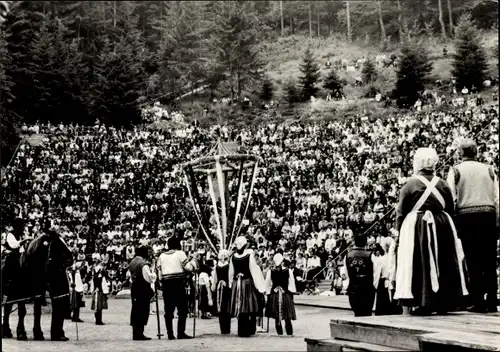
(327,345)
(454,332)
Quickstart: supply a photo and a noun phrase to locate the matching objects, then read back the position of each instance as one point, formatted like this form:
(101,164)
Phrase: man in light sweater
(475,188)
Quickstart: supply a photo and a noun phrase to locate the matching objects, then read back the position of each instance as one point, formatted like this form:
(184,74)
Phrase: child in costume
(280,287)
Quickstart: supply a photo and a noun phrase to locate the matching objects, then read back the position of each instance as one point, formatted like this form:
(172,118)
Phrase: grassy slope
(284,56)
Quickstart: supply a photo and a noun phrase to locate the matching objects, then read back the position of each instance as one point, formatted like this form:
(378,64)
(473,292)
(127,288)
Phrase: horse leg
(37,321)
(21,313)
(7,309)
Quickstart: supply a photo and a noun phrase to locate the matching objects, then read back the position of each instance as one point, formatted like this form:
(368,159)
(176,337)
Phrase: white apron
(404,259)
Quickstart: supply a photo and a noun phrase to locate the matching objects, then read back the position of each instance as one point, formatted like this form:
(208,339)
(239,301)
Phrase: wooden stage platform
(460,331)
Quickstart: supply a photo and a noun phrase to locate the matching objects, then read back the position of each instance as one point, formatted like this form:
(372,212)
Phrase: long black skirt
(384,304)
(204,306)
(280,309)
(244,298)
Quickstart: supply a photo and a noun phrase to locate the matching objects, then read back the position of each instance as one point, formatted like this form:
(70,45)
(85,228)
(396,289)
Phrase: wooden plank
(428,324)
(343,345)
(378,335)
(316,345)
(462,340)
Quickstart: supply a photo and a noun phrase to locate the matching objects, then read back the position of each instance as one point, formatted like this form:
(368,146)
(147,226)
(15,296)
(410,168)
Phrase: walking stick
(195,302)
(157,307)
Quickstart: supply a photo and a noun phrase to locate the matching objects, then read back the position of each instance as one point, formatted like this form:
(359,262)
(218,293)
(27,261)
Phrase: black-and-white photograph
(258,175)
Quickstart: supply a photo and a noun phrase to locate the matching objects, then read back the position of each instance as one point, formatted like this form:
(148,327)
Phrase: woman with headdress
(280,287)
(246,282)
(429,261)
(220,285)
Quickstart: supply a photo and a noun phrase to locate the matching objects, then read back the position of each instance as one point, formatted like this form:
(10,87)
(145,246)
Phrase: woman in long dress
(429,262)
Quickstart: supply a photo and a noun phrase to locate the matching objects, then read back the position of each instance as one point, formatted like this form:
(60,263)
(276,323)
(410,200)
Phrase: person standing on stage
(75,279)
(220,286)
(141,292)
(100,294)
(246,282)
(280,287)
(427,233)
(175,267)
(359,270)
(474,186)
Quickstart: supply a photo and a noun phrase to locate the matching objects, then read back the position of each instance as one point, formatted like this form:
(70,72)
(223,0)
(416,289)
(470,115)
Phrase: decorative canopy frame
(216,169)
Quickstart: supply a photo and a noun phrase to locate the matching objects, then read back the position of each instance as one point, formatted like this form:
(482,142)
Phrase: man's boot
(98,318)
(6,332)
(181,328)
(21,334)
(288,327)
(279,328)
(170,329)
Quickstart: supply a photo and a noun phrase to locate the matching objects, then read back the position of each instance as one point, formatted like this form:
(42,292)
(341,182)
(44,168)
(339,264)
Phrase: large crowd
(111,189)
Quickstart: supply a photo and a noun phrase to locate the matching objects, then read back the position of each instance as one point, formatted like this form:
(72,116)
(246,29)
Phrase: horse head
(46,253)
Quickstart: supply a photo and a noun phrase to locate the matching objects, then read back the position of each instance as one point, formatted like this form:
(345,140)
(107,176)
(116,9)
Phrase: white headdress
(278,259)
(224,254)
(425,159)
(240,242)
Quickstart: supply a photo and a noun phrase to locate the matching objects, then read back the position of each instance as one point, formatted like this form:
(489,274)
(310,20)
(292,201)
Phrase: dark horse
(42,268)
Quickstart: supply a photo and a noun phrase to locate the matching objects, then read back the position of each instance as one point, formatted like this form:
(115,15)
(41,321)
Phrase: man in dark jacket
(361,290)
(141,292)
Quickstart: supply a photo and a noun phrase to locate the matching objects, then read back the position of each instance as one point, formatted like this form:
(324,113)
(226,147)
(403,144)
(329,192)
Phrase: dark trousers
(362,302)
(175,296)
(225,323)
(288,327)
(247,325)
(59,311)
(139,316)
(479,241)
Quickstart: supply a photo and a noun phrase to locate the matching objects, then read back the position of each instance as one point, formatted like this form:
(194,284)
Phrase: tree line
(78,61)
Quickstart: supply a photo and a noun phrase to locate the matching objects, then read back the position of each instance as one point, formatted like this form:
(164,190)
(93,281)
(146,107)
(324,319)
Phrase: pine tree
(56,90)
(9,137)
(470,63)
(369,72)
(235,37)
(332,81)
(120,81)
(414,66)
(292,93)
(310,76)
(267,92)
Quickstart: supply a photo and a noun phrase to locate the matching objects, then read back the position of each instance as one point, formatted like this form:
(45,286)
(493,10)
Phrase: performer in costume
(205,287)
(474,186)
(246,282)
(58,287)
(359,270)
(175,267)
(11,268)
(222,293)
(280,287)
(429,266)
(141,292)
(385,303)
(100,294)
(75,279)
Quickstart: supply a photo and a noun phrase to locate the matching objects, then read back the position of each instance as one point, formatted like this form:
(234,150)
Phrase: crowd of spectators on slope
(111,189)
